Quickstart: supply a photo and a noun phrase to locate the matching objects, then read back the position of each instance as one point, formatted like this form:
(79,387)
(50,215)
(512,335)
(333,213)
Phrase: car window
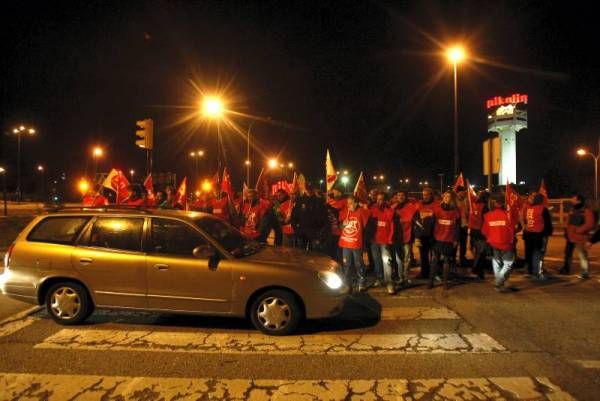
(228,236)
(173,237)
(58,230)
(117,233)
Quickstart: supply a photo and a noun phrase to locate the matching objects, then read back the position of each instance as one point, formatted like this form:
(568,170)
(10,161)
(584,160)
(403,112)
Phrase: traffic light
(145,134)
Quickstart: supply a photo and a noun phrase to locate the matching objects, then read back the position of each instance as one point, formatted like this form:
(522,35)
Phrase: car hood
(294,258)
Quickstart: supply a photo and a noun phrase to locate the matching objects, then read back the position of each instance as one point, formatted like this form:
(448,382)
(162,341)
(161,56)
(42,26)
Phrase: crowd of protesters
(381,232)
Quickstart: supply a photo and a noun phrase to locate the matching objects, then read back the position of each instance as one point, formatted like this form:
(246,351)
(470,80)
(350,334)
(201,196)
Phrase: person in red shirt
(581,221)
(446,233)
(463,208)
(254,212)
(537,227)
(219,204)
(423,222)
(499,232)
(285,216)
(94,198)
(478,244)
(382,218)
(353,220)
(135,197)
(404,213)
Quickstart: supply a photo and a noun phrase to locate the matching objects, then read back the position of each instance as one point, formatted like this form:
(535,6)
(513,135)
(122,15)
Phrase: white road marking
(588,364)
(21,387)
(402,313)
(250,343)
(18,321)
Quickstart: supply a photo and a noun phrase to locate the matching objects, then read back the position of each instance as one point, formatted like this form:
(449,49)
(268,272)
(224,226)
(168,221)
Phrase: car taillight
(7,256)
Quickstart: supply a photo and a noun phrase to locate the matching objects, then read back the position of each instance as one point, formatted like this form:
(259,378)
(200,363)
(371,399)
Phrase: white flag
(330,173)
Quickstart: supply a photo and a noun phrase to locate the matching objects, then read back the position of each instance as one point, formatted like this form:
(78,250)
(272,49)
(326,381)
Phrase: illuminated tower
(507,116)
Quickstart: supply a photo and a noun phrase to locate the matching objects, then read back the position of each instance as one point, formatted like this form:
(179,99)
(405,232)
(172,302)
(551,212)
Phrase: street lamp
(97,152)
(3,172)
(196,156)
(212,107)
(18,131)
(41,170)
(455,55)
(131,173)
(272,163)
(583,152)
(248,163)
(345,180)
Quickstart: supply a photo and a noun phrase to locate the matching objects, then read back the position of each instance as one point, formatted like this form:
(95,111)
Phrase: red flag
(460,182)
(148,184)
(330,173)
(117,181)
(215,180)
(513,203)
(544,192)
(360,190)
(471,195)
(262,185)
(226,184)
(181,194)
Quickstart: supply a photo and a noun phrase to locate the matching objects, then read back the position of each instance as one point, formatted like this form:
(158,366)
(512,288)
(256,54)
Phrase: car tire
(68,303)
(276,313)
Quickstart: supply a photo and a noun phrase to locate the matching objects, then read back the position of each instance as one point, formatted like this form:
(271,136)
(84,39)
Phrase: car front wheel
(276,313)
(68,303)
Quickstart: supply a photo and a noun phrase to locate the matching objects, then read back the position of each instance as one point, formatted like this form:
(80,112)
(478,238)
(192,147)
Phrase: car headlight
(331,279)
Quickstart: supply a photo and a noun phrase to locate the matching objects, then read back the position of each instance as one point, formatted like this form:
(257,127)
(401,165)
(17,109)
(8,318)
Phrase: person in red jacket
(581,221)
(477,241)
(135,197)
(285,216)
(94,198)
(254,213)
(499,232)
(219,204)
(382,219)
(404,213)
(353,220)
(446,233)
(537,227)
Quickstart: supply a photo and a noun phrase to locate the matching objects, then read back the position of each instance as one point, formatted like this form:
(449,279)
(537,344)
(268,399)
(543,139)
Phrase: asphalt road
(469,343)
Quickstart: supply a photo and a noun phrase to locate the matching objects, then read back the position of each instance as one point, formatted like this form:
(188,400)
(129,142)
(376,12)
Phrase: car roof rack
(110,208)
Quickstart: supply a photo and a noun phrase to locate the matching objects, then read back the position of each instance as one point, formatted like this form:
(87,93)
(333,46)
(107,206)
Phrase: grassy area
(11,226)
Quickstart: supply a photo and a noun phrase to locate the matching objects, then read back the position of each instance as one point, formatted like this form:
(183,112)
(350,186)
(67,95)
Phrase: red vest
(339,204)
(353,224)
(445,225)
(498,229)
(533,217)
(286,210)
(385,225)
(220,207)
(94,201)
(476,216)
(252,217)
(135,202)
(405,215)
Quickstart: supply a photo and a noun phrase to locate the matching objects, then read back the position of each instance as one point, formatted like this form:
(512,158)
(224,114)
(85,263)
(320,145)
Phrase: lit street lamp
(455,55)
(196,156)
(248,163)
(212,108)
(583,152)
(132,173)
(97,152)
(41,170)
(3,172)
(345,180)
(18,131)
(272,163)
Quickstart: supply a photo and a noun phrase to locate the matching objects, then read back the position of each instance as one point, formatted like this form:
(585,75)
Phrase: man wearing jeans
(537,227)
(404,210)
(381,243)
(353,221)
(499,231)
(581,221)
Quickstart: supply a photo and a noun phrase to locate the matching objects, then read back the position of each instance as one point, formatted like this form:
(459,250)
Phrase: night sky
(358,77)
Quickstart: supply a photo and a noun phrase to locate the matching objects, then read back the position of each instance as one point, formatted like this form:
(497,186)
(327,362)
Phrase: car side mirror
(204,252)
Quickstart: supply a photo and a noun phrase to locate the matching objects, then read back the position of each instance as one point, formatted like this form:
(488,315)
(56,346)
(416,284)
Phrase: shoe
(502,289)
(390,289)
(564,270)
(362,288)
(438,279)
(376,284)
(584,276)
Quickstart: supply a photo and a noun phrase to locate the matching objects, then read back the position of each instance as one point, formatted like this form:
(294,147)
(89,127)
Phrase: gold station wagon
(74,261)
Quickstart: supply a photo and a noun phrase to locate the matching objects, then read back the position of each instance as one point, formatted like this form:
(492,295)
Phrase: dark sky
(354,76)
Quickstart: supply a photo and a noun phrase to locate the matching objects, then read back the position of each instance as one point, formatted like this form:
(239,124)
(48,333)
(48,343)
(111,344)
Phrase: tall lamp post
(97,152)
(196,156)
(455,55)
(248,163)
(212,107)
(18,131)
(3,172)
(583,152)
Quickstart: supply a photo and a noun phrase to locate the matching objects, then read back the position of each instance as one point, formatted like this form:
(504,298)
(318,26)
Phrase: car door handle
(86,261)
(161,267)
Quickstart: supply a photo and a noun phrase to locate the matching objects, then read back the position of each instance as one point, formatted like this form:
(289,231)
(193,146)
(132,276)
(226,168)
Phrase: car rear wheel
(276,313)
(68,303)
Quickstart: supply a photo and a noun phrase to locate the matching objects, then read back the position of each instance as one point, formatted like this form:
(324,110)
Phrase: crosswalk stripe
(18,321)
(52,387)
(250,343)
(403,313)
(589,364)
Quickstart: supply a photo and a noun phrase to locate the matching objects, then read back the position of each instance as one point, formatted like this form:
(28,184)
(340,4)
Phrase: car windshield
(228,236)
